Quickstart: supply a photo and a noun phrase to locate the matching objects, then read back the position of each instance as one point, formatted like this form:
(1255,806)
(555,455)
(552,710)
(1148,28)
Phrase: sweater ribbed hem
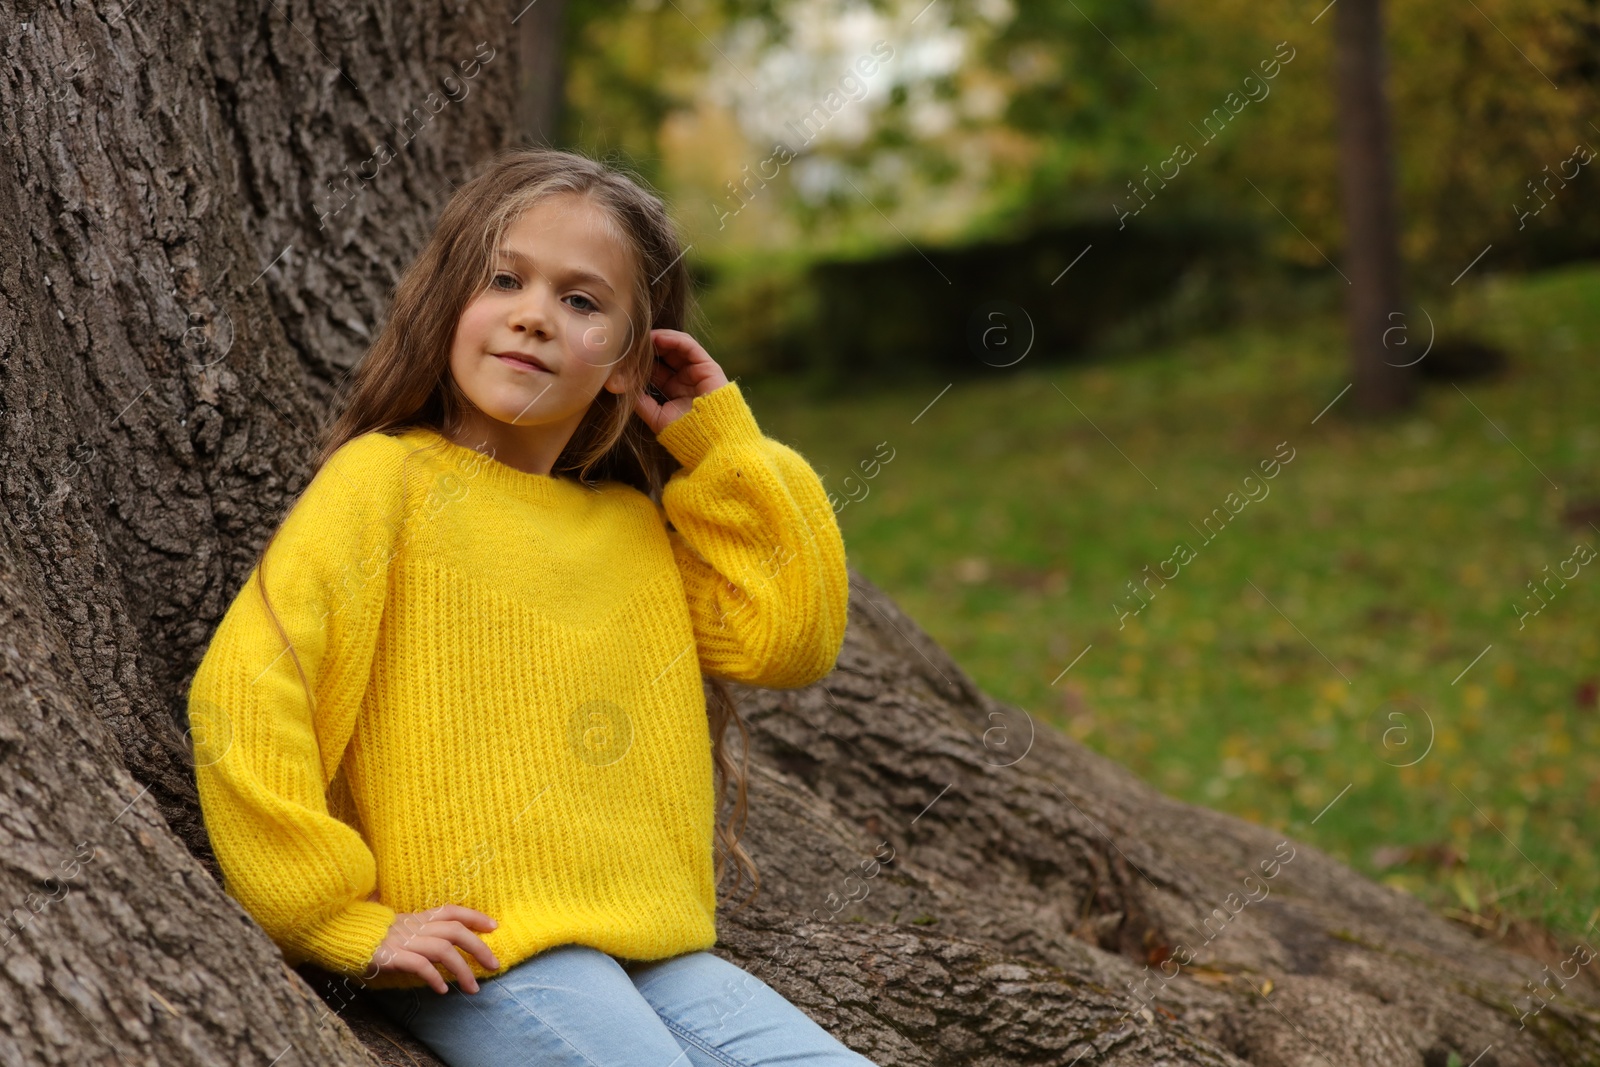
(719,417)
(345,941)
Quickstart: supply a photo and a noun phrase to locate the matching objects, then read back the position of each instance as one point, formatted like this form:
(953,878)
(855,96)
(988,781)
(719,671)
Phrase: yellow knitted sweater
(506,673)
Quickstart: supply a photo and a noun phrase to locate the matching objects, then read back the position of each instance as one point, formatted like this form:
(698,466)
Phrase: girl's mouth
(522,362)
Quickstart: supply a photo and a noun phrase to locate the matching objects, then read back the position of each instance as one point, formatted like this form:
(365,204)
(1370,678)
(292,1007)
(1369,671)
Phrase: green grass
(1391,553)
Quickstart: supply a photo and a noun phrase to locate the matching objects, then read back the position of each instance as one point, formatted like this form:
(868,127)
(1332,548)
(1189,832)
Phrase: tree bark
(1384,380)
(201,235)
(944,880)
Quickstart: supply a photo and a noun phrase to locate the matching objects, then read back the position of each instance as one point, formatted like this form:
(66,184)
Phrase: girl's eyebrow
(573,272)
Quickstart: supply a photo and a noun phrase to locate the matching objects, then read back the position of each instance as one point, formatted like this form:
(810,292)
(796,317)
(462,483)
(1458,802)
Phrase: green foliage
(1101,98)
(1259,680)
(1483,98)
(630,66)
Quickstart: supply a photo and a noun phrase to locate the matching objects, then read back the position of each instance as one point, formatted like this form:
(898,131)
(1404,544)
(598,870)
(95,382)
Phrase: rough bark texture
(201,231)
(944,883)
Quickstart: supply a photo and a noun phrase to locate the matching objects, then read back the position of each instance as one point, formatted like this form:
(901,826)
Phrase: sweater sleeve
(264,755)
(757,546)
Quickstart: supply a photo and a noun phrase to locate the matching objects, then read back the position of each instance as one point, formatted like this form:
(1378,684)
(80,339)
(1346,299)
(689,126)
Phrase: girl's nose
(534,313)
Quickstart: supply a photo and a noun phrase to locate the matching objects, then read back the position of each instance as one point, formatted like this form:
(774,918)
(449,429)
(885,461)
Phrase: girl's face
(559,300)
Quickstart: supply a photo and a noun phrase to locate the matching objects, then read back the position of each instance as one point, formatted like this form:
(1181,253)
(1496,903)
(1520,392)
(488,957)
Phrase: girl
(466,737)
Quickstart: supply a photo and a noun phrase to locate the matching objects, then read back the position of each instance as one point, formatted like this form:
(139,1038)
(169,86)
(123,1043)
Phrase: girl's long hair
(404,380)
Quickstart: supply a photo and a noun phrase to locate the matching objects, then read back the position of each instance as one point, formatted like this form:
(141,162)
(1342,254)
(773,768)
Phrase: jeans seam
(512,994)
(484,1007)
(694,1039)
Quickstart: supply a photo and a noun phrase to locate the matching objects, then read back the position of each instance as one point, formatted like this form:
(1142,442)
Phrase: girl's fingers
(668,378)
(455,922)
(649,410)
(460,935)
(419,965)
(678,349)
(469,917)
(681,371)
(444,952)
(673,341)
(438,936)
(682,383)
(668,356)
(451,957)
(654,413)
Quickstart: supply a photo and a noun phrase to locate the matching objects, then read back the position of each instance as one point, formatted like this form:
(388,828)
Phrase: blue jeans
(575,1005)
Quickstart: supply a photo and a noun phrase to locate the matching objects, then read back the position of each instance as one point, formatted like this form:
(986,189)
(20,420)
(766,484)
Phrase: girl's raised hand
(418,940)
(682,371)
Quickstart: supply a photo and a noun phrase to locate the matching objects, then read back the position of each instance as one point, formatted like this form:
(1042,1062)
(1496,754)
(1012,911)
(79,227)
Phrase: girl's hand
(682,371)
(418,940)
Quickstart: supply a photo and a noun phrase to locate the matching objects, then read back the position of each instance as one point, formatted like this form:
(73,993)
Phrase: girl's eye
(592,306)
(497,277)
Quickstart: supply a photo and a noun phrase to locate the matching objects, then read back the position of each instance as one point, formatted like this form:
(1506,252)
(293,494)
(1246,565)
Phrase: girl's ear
(618,381)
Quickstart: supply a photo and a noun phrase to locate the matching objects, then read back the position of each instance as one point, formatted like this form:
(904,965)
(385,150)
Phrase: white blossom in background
(767,89)
(801,104)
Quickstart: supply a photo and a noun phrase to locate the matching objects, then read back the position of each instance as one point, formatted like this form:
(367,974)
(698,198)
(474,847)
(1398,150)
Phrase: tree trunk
(541,74)
(1384,381)
(945,882)
(205,205)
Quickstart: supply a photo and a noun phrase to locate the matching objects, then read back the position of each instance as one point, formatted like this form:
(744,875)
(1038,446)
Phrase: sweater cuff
(346,940)
(715,417)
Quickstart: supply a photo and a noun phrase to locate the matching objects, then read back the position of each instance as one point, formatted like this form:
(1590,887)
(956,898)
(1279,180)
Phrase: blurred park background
(1047,290)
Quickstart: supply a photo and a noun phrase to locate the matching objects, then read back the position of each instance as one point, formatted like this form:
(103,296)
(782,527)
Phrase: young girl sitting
(466,736)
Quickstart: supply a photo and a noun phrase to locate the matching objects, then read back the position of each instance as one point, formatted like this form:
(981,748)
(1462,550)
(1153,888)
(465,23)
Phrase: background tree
(1483,97)
(541,70)
(1372,240)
